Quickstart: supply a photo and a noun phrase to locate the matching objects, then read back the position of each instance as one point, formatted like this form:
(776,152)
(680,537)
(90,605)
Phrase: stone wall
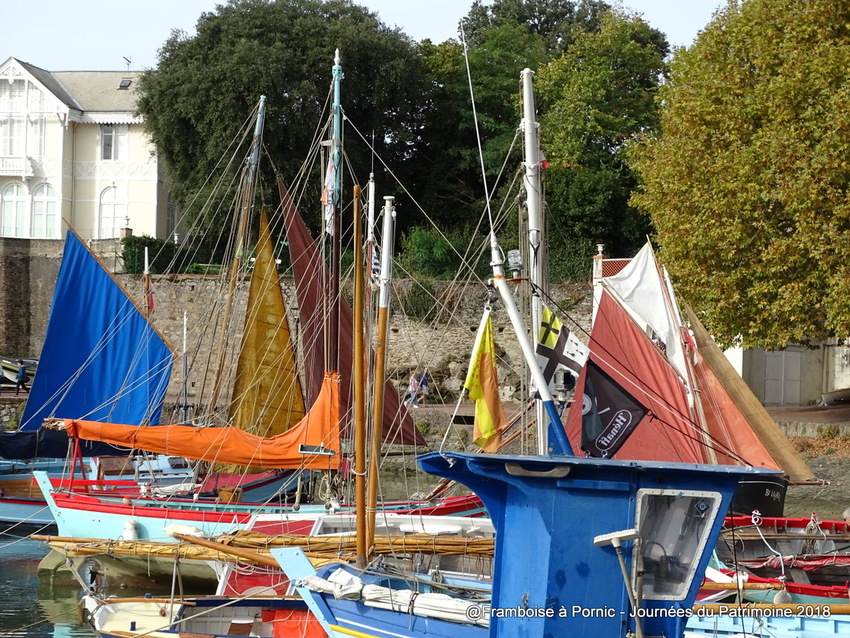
(10,413)
(28,271)
(443,342)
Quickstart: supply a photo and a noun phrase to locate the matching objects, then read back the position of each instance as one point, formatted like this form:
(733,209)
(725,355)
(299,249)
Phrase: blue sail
(102,360)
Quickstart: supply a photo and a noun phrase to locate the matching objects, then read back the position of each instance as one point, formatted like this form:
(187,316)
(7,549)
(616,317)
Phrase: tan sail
(267,396)
(761,422)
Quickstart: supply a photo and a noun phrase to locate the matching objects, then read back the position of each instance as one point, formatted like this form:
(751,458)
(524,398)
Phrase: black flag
(609,414)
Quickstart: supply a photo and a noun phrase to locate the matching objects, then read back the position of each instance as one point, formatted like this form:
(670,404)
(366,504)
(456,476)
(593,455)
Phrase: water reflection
(36,604)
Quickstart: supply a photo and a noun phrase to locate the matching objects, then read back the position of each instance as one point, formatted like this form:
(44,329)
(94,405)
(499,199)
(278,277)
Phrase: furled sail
(102,360)
(267,396)
(314,443)
(310,274)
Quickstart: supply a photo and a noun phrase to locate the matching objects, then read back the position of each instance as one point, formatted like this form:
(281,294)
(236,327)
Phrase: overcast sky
(87,35)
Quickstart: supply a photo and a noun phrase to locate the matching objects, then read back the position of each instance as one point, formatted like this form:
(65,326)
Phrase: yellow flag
(482,384)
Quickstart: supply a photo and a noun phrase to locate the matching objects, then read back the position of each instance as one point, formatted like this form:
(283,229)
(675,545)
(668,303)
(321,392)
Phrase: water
(33,606)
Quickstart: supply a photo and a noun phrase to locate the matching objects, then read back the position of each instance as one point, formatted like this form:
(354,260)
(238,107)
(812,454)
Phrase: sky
(113,35)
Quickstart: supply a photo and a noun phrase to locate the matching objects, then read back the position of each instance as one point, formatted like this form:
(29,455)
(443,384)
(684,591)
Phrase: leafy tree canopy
(558,22)
(206,86)
(595,98)
(748,183)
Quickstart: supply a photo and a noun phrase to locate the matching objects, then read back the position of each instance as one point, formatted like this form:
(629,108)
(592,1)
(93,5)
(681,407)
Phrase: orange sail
(312,444)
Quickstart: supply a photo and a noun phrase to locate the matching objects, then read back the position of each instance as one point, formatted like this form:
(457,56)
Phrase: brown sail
(310,275)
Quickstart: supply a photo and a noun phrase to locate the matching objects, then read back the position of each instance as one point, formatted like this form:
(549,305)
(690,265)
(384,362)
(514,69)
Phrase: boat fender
(131,530)
(187,530)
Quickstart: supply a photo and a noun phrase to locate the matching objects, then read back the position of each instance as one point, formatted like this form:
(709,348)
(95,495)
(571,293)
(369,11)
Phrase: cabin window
(673,528)
(44,217)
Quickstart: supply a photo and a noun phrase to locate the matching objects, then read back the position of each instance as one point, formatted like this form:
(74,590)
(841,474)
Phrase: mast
(387,246)
(248,185)
(336,158)
(557,436)
(358,372)
(184,391)
(537,254)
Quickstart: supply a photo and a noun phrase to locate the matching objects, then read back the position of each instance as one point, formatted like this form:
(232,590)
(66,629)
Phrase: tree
(205,87)
(558,22)
(747,182)
(448,156)
(594,99)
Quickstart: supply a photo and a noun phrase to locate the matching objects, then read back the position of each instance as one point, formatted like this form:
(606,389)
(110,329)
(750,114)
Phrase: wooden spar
(762,423)
(253,546)
(387,241)
(147,287)
(225,549)
(157,601)
(247,200)
(359,371)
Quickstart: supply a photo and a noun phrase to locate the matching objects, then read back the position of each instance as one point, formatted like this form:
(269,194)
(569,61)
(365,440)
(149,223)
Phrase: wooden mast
(387,245)
(241,237)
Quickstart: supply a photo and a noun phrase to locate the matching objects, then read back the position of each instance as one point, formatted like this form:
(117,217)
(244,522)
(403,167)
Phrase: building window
(13,211)
(35,99)
(12,136)
(13,96)
(113,145)
(35,136)
(44,217)
(111,214)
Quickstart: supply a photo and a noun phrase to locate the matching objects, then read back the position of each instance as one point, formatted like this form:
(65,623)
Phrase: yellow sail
(267,397)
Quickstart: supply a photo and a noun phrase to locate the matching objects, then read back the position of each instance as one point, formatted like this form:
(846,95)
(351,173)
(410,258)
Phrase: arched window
(112,213)
(44,208)
(13,211)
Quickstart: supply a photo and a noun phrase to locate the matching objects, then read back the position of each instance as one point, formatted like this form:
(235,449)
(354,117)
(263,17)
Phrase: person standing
(412,389)
(424,381)
(21,378)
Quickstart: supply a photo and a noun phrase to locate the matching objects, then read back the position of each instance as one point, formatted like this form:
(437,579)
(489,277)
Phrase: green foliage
(556,21)
(830,431)
(205,87)
(204,269)
(419,302)
(429,253)
(747,182)
(599,95)
(167,257)
(160,254)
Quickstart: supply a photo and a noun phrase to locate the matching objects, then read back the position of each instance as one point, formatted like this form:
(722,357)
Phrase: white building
(73,148)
